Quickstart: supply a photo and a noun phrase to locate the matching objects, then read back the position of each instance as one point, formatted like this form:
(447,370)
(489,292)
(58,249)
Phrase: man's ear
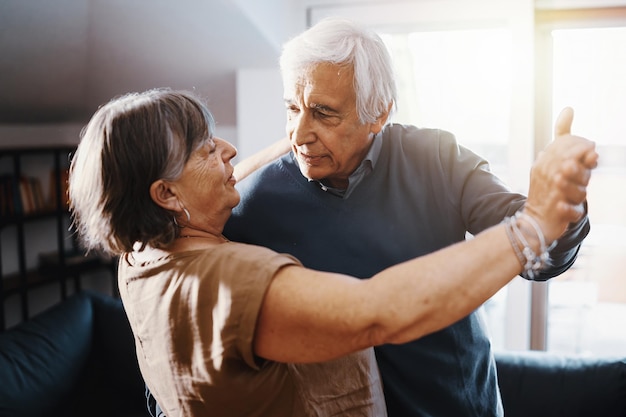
(163,195)
(378,124)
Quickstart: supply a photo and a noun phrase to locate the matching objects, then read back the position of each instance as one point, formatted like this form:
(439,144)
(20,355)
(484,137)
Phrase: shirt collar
(366,166)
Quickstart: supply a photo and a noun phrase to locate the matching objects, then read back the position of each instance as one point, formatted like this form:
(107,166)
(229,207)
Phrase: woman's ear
(162,194)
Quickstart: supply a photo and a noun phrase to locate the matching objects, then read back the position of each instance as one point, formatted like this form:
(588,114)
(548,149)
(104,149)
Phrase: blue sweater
(424,193)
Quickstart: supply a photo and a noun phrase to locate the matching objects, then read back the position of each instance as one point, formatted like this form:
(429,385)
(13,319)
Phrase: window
(496,74)
(460,81)
(587,305)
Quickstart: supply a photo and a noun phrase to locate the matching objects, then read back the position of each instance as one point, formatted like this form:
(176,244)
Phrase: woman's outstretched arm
(310,316)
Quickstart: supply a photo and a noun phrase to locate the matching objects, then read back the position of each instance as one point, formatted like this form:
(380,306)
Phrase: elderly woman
(229,329)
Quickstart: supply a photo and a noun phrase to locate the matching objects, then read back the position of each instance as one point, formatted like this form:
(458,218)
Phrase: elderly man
(357,194)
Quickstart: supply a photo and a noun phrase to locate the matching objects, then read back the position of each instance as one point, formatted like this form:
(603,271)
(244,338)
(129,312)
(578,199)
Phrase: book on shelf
(9,199)
(39,201)
(63,178)
(21,196)
(25,195)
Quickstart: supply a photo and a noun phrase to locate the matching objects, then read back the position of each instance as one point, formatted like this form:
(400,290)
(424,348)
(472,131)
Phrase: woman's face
(206,187)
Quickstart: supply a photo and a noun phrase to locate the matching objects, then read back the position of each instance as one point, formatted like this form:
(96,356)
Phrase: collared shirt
(365,168)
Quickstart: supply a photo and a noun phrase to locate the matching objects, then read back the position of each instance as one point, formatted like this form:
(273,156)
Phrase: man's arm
(264,156)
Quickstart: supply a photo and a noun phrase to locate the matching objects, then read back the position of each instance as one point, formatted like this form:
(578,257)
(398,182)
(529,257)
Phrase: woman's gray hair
(342,42)
(129,143)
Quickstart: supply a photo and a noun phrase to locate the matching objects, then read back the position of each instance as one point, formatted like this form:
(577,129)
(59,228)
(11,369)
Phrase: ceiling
(61,59)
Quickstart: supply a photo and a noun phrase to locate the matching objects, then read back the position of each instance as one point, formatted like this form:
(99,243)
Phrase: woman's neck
(190,238)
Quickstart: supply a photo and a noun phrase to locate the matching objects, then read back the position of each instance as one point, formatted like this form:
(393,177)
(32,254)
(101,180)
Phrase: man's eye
(321,114)
(292,109)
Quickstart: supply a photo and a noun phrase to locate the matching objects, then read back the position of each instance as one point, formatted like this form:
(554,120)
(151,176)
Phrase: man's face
(326,134)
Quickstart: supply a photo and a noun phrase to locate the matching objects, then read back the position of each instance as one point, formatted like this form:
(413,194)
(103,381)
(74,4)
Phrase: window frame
(548,19)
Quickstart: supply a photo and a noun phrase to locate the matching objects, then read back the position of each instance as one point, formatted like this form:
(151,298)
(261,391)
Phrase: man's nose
(302,130)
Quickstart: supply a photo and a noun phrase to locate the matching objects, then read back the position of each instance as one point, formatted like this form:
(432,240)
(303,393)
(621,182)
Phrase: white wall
(67,134)
(260,109)
(39,135)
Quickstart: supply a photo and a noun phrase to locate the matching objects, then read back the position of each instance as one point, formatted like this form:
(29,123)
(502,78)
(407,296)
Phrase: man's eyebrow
(315,106)
(324,108)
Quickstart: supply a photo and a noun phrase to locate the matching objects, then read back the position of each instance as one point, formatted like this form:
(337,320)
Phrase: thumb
(563,125)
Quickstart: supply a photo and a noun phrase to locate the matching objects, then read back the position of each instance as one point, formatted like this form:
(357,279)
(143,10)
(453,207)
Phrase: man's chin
(310,173)
(311,176)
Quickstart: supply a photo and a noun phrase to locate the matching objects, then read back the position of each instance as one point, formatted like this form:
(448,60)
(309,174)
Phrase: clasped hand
(559,178)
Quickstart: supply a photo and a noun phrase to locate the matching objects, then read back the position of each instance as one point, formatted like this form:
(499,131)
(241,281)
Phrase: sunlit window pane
(458,81)
(588,303)
(461,81)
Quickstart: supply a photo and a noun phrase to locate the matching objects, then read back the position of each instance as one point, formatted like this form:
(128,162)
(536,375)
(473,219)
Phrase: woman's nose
(229,150)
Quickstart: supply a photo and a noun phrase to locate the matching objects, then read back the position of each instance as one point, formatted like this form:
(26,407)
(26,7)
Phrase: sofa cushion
(542,384)
(42,359)
(110,383)
(114,358)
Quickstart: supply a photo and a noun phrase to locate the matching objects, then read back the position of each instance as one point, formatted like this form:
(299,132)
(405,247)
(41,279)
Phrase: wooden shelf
(64,262)
(49,273)
(25,218)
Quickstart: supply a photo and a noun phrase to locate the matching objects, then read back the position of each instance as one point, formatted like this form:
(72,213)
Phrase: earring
(188,218)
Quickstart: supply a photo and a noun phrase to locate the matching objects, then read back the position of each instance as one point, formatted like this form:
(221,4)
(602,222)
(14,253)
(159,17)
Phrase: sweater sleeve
(564,254)
(485,201)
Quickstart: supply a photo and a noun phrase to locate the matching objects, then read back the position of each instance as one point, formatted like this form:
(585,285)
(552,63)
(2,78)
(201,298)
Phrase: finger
(575,172)
(590,159)
(574,194)
(568,190)
(574,147)
(563,125)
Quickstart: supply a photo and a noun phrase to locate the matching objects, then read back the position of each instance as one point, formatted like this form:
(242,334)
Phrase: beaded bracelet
(532,263)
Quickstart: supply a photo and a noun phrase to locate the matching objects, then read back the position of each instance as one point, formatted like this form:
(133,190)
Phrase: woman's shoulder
(243,259)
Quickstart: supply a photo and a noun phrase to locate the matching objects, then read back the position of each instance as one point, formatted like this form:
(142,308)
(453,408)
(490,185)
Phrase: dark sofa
(74,359)
(78,359)
(540,384)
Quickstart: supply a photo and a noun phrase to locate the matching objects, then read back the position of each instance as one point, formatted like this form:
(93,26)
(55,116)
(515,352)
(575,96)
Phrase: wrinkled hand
(559,178)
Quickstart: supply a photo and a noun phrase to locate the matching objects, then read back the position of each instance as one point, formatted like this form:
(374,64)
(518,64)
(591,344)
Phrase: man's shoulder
(277,178)
(396,135)
(417,144)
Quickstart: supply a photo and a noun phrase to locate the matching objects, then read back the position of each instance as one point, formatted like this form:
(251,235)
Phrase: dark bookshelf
(65,262)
